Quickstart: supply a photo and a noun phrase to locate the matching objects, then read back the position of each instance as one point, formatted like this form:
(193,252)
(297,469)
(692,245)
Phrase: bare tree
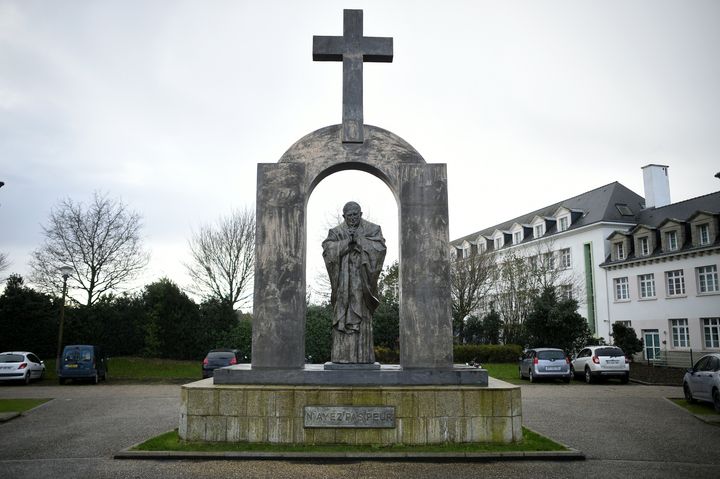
(469,284)
(4,262)
(223,258)
(100,242)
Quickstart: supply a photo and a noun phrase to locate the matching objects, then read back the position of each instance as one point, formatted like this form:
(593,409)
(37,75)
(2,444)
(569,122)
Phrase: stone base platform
(422,414)
(319,374)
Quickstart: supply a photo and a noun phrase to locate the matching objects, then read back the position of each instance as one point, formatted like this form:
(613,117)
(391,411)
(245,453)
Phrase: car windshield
(551,355)
(78,354)
(609,352)
(11,358)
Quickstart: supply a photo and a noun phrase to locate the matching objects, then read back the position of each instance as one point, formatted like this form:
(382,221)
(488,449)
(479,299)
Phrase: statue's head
(352,213)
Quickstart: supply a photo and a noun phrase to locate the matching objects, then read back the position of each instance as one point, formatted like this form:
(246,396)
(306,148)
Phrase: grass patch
(503,371)
(170,441)
(20,405)
(700,408)
(143,369)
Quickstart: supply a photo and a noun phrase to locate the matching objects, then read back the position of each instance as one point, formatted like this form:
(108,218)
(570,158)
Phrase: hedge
(487,353)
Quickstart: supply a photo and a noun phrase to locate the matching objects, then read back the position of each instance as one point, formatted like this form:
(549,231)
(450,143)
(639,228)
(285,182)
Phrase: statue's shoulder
(369,227)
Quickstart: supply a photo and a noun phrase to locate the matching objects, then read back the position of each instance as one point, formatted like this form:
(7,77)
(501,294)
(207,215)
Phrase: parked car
(596,362)
(82,362)
(20,366)
(218,358)
(702,381)
(544,363)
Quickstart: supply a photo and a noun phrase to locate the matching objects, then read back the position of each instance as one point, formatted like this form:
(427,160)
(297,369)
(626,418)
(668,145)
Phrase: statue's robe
(354,274)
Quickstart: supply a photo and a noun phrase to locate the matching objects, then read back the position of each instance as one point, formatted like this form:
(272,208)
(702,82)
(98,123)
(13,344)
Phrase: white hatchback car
(702,381)
(595,362)
(20,366)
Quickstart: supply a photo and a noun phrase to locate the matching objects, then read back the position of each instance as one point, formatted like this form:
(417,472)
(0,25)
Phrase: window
(675,281)
(498,243)
(622,291)
(466,251)
(565,258)
(627,324)
(549,261)
(644,245)
(711,332)
(566,291)
(517,237)
(482,247)
(563,223)
(707,279)
(651,338)
(538,230)
(704,233)
(533,262)
(671,240)
(619,251)
(646,283)
(680,333)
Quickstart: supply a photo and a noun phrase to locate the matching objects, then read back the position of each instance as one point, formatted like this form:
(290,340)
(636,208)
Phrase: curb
(571,455)
(7,416)
(712,419)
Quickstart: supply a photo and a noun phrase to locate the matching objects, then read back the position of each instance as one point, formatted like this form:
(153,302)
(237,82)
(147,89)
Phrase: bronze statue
(354,252)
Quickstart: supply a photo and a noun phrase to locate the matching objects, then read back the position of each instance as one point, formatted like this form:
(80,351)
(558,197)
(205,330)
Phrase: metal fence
(677,359)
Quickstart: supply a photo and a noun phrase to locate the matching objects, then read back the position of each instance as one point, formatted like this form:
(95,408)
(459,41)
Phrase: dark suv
(82,361)
(218,358)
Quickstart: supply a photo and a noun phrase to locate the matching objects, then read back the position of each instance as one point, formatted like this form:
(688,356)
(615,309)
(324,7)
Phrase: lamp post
(65,271)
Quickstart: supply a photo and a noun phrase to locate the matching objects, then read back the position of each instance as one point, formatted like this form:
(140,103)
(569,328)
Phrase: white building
(662,276)
(583,231)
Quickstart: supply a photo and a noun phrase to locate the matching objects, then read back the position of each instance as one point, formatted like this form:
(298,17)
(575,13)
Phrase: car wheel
(588,376)
(566,380)
(572,372)
(61,380)
(530,376)
(42,375)
(688,394)
(520,373)
(26,379)
(716,400)
(625,379)
(96,379)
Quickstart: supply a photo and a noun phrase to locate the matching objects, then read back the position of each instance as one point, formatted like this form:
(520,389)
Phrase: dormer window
(517,237)
(671,240)
(619,251)
(482,247)
(539,230)
(498,242)
(704,234)
(466,250)
(563,223)
(644,245)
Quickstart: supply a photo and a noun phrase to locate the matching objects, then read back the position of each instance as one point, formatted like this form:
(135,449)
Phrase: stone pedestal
(423,414)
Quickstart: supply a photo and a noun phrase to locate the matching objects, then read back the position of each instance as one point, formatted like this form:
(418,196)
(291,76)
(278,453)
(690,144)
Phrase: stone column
(278,333)
(425,304)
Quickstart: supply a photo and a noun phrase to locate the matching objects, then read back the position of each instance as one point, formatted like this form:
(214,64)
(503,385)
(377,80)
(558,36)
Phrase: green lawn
(170,441)
(503,371)
(143,369)
(20,405)
(701,408)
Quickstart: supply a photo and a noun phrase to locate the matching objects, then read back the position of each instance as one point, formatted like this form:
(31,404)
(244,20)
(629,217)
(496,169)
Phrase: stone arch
(283,191)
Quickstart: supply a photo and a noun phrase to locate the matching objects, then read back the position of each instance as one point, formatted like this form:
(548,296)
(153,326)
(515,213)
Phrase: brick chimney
(657,185)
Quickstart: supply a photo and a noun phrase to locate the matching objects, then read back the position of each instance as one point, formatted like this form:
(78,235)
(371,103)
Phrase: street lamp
(65,271)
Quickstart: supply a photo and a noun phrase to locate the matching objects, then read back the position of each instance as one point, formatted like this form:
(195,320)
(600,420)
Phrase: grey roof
(598,205)
(681,210)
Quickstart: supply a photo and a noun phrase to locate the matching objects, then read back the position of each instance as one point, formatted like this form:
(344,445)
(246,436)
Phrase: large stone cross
(352,49)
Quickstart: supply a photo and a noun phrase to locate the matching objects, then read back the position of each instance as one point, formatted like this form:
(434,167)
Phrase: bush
(386,355)
(487,353)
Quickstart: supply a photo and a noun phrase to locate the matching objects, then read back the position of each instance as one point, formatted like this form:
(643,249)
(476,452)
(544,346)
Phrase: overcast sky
(169,105)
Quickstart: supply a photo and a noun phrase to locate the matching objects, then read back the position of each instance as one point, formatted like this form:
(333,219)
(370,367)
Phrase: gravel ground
(625,431)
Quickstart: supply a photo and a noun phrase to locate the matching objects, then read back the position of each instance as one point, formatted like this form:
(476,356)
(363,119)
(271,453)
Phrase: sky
(170,105)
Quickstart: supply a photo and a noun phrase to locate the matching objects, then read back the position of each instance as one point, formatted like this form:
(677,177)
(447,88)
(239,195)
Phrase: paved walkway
(625,431)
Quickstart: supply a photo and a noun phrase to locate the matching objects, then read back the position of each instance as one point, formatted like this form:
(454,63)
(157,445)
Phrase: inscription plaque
(350,416)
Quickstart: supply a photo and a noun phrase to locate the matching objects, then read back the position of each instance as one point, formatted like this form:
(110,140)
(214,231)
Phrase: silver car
(702,381)
(20,366)
(544,363)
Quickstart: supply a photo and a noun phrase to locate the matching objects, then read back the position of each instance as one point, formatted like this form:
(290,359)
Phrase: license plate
(553,368)
(71,365)
(612,361)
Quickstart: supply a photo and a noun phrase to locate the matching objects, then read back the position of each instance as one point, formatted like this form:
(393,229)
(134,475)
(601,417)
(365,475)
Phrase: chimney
(657,185)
